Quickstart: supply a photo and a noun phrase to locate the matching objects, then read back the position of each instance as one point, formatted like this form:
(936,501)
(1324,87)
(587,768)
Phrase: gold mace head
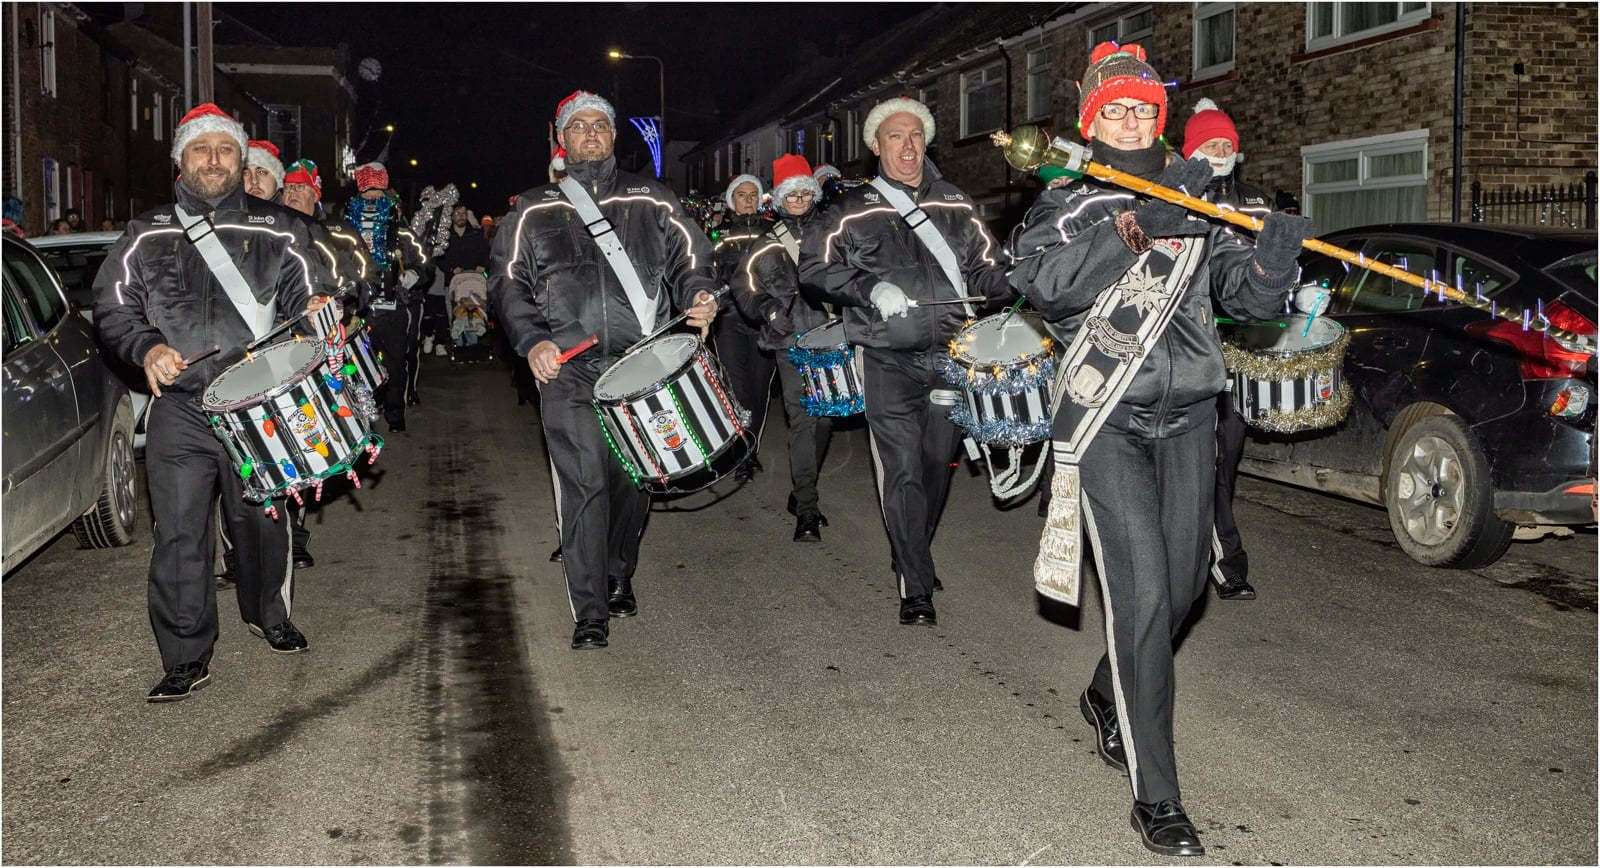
(1024,147)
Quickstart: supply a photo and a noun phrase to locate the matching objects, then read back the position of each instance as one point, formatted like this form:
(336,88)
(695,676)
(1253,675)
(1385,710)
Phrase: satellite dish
(370,69)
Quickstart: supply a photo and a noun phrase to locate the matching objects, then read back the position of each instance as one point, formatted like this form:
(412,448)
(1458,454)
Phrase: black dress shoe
(938,585)
(283,638)
(1102,715)
(589,634)
(619,598)
(1166,829)
(180,681)
(413,399)
(794,510)
(397,425)
(1236,588)
(303,559)
(808,528)
(918,610)
(555,556)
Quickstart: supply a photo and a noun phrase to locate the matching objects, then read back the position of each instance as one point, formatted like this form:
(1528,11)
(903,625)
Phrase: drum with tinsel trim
(287,421)
(1004,368)
(826,365)
(1290,379)
(670,419)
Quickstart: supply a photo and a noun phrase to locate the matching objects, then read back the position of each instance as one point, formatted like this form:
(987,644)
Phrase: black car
(1467,429)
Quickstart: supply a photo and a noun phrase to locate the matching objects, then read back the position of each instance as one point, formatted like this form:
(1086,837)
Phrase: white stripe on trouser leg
(1111,649)
(412,344)
(877,471)
(1216,559)
(286,592)
(766,409)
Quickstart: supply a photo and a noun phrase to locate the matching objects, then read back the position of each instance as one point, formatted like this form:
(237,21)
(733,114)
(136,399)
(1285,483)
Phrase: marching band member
(158,301)
(766,289)
(884,272)
(263,170)
(1211,133)
(749,365)
(553,284)
(1131,283)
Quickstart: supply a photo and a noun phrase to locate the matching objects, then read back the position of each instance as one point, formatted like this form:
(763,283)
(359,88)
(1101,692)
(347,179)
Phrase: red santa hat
(262,154)
(792,174)
(883,110)
(1208,122)
(371,176)
(1117,71)
(205,118)
(303,171)
(581,100)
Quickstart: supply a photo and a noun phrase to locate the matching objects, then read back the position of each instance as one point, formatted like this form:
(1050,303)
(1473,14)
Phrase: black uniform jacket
(766,285)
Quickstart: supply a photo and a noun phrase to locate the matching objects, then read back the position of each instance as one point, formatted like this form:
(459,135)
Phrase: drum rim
(836,321)
(1296,322)
(968,361)
(319,356)
(656,386)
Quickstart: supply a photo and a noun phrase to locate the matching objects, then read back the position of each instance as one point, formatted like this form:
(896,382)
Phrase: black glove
(1159,219)
(1278,243)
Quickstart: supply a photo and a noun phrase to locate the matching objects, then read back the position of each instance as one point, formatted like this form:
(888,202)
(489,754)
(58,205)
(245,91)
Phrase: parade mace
(1028,148)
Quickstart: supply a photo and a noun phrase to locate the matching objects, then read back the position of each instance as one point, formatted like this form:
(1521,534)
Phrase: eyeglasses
(1116,111)
(600,128)
(802,196)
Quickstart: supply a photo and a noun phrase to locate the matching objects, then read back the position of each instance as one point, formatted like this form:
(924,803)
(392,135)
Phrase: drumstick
(1223,320)
(670,323)
(577,349)
(968,299)
(202,355)
(277,331)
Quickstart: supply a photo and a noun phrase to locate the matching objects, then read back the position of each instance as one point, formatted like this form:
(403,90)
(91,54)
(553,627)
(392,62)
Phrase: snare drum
(1004,368)
(1286,380)
(670,419)
(286,420)
(826,363)
(325,322)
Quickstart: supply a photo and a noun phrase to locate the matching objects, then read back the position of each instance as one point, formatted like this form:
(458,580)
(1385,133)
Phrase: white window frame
(1203,11)
(50,176)
(1124,33)
(1402,21)
(1363,150)
(1036,60)
(998,68)
(158,124)
(133,102)
(852,138)
(47,52)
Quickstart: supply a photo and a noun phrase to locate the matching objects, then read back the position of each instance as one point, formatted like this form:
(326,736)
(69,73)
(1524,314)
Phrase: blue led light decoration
(650,129)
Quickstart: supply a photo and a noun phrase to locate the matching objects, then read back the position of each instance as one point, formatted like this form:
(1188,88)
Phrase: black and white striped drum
(1291,379)
(325,322)
(826,361)
(1004,369)
(669,418)
(286,420)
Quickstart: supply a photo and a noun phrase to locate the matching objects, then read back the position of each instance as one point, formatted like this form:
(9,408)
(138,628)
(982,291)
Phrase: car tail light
(1571,401)
(1543,357)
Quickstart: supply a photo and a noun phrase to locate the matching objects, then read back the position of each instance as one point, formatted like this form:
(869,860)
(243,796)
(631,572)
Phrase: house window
(983,100)
(47,53)
(1039,83)
(1382,179)
(1330,24)
(716,163)
(929,96)
(133,102)
(158,123)
(1213,39)
(52,192)
(283,126)
(852,136)
(1134,26)
(68,201)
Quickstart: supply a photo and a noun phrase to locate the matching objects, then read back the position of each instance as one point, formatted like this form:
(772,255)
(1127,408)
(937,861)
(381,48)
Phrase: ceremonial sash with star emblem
(1126,321)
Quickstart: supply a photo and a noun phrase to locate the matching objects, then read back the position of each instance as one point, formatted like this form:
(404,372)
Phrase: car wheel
(110,522)
(1440,497)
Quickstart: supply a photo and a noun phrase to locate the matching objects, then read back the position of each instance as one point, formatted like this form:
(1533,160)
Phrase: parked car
(76,259)
(68,440)
(1467,429)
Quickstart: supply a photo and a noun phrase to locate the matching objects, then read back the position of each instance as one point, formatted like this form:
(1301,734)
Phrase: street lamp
(413,162)
(474,185)
(661,68)
(388,128)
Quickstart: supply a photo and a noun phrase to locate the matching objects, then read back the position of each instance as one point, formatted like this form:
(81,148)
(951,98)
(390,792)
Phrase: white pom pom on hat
(1205,104)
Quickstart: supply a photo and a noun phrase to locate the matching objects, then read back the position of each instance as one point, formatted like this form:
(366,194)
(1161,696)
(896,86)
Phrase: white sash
(203,235)
(927,233)
(605,236)
(787,239)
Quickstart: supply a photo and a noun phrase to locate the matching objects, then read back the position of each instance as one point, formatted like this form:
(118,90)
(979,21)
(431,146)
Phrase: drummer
(553,285)
(150,312)
(766,289)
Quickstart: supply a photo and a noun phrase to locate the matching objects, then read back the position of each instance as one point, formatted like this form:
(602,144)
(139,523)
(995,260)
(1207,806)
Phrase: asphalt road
(766,706)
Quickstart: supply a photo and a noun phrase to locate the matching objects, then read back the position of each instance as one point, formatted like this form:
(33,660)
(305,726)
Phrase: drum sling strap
(1104,357)
(605,236)
(927,233)
(202,233)
(791,246)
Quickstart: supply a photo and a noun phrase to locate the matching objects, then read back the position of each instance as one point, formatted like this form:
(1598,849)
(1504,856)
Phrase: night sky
(471,87)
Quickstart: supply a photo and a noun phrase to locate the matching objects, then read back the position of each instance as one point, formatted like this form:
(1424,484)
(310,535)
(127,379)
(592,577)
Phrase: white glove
(890,300)
(409,278)
(1311,301)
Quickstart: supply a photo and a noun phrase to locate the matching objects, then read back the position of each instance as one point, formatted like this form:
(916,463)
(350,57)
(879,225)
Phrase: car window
(17,330)
(77,267)
(35,287)
(1371,292)
(1474,276)
(1577,272)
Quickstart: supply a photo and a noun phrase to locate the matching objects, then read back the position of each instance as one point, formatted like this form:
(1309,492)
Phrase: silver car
(68,422)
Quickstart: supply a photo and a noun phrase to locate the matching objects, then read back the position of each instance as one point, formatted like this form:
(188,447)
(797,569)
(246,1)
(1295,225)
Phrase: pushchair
(468,300)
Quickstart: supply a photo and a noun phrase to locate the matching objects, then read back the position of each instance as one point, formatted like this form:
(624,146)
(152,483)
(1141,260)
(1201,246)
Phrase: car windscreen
(77,264)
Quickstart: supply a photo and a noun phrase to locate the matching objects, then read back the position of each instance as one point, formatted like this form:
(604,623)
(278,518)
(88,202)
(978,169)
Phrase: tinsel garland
(1260,366)
(1324,415)
(1009,379)
(373,225)
(442,202)
(842,406)
(804,359)
(1001,432)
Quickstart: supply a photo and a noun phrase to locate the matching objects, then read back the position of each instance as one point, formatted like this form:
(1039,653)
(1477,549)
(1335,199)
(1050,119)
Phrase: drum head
(823,337)
(996,340)
(1269,339)
(640,370)
(262,374)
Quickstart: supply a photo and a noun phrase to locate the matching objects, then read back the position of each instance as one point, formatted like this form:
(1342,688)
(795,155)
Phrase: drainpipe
(188,56)
(1001,46)
(16,100)
(1458,123)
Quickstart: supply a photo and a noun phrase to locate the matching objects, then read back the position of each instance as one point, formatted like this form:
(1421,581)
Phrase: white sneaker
(441,350)
(427,345)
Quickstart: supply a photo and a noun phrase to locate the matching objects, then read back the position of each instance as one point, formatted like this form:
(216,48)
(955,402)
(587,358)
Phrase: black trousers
(1230,559)
(808,437)
(600,511)
(187,470)
(749,366)
(913,441)
(436,318)
(391,331)
(1147,513)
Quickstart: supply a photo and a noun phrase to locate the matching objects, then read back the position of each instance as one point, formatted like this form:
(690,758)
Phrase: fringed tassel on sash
(1057,570)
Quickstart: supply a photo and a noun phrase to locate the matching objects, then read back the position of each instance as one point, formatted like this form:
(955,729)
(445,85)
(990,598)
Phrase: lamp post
(661,69)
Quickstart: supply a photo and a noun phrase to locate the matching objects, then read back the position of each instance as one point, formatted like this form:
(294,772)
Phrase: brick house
(1348,107)
(312,103)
